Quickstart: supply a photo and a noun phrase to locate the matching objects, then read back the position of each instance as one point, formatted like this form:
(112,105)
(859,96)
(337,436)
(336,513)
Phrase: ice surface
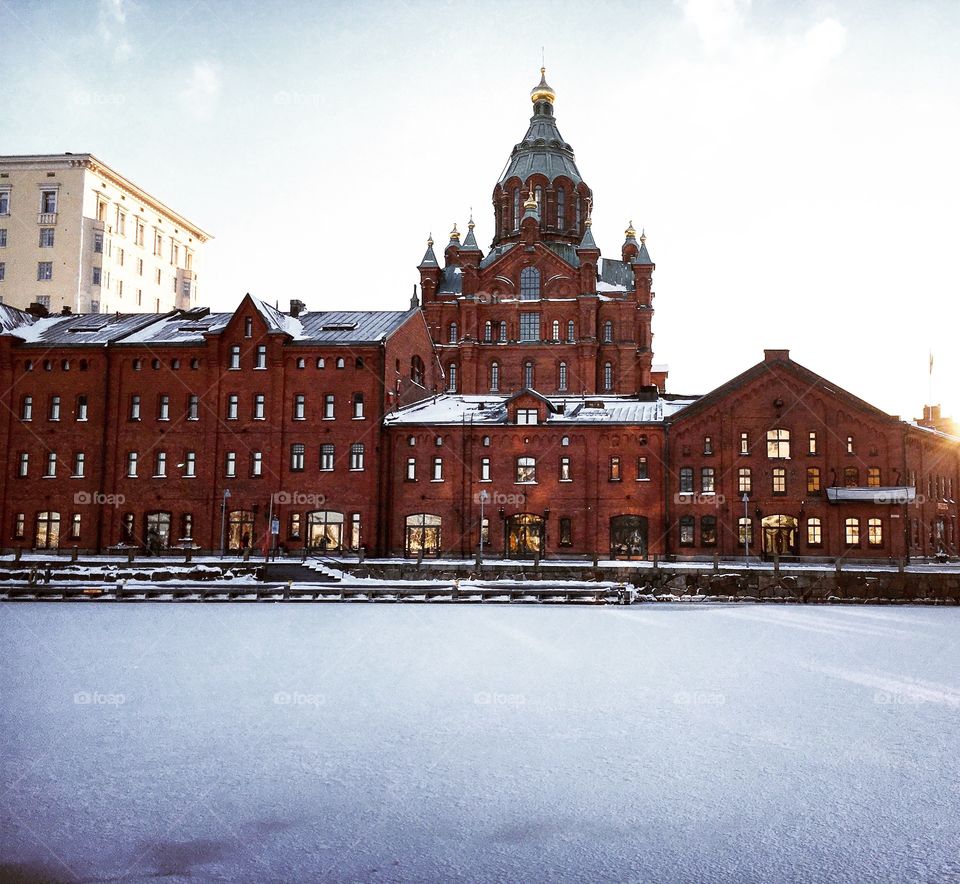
(443,743)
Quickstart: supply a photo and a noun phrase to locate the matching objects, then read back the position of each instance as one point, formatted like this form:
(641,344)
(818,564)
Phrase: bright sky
(796,165)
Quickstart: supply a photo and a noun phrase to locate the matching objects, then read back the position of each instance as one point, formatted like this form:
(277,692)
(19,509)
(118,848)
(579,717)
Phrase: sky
(794,164)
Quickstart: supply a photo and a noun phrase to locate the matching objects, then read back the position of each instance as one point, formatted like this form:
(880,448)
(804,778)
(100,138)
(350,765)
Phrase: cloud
(719,23)
(202,90)
(111,25)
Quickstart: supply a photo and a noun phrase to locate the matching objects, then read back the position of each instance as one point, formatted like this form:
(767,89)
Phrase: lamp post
(223,522)
(746,528)
(483,497)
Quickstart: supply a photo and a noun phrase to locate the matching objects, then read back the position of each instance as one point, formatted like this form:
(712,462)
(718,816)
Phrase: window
(529,284)
(163,407)
(503,329)
(256,464)
(416,370)
(570,335)
(233,406)
(297,456)
(75,523)
(744,443)
(24,469)
(814,532)
(874,532)
(160,465)
(4,202)
(51,469)
(528,375)
(79,464)
(608,332)
(744,480)
(190,464)
(95,280)
(555,330)
(686,531)
(328,406)
(642,471)
(561,207)
(708,530)
(708,480)
(259,407)
(235,357)
(851,449)
(745,530)
(293,527)
(526,470)
(46,237)
(438,469)
(565,474)
(261,358)
(851,477)
(813,480)
(529,326)
(3,237)
(707,445)
(484,469)
(356,456)
(494,377)
(778,444)
(326,457)
(135,407)
(358,406)
(81,408)
(516,208)
(527,416)
(20,525)
(873,477)
(812,443)
(566,532)
(299,407)
(488,331)
(411,469)
(301,362)
(193,408)
(686,480)
(341,362)
(851,532)
(452,377)
(26,408)
(453,336)
(355,531)
(779,477)
(615,468)
(230,464)
(48,201)
(44,270)
(562,385)
(3,270)
(607,377)
(132,464)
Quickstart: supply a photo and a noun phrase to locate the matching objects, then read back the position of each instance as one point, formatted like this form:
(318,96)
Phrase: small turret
(530,223)
(630,247)
(451,253)
(589,255)
(643,268)
(429,272)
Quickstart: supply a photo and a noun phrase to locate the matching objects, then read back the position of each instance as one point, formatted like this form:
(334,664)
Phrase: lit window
(812,443)
(814,532)
(615,468)
(745,530)
(813,480)
(686,531)
(851,477)
(526,470)
(708,531)
(850,446)
(778,444)
(744,443)
(779,480)
(555,330)
(744,481)
(875,532)
(565,474)
(873,477)
(707,445)
(851,532)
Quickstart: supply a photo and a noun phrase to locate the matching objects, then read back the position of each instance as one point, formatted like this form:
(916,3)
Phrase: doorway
(779,535)
(524,536)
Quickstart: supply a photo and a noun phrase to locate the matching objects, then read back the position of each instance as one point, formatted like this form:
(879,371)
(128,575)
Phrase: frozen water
(498,743)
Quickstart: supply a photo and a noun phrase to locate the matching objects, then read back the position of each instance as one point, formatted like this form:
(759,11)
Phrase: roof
(492,409)
(14,317)
(616,274)
(451,283)
(542,151)
(564,251)
(496,253)
(84,329)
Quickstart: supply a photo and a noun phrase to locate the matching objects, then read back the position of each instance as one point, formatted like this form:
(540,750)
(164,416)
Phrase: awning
(859,494)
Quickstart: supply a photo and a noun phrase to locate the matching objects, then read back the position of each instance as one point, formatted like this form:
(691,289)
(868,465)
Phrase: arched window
(607,332)
(529,284)
(494,377)
(607,377)
(488,331)
(563,376)
(416,370)
(516,208)
(538,196)
(851,532)
(528,375)
(746,530)
(453,333)
(570,335)
(503,329)
(561,207)
(555,330)
(452,377)
(814,531)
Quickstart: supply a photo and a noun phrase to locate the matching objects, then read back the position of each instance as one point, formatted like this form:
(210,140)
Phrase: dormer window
(529,284)
(527,416)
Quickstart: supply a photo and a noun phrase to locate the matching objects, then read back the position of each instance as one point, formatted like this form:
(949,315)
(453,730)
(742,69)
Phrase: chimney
(296,307)
(66,311)
(37,309)
(776,355)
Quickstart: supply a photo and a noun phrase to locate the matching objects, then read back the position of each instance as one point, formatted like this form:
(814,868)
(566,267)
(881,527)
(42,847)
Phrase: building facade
(76,235)
(517,408)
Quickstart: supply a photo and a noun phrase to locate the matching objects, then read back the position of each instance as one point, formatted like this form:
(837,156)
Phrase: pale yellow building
(76,234)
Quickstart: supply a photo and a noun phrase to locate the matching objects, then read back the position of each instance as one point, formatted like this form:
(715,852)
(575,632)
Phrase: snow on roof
(890,495)
(491,409)
(609,287)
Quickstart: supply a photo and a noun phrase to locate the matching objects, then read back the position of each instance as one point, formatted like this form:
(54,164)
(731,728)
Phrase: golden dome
(630,233)
(542,90)
(455,234)
(531,201)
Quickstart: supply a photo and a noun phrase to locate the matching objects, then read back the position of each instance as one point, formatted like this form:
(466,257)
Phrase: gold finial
(643,237)
(470,224)
(589,221)
(430,240)
(630,233)
(542,91)
(531,200)
(455,234)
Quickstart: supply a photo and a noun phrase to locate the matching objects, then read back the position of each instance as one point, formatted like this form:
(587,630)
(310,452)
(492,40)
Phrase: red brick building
(519,405)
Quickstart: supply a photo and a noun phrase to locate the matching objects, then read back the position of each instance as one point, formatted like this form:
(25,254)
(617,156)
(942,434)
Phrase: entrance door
(525,536)
(422,535)
(779,535)
(241,530)
(325,530)
(628,537)
(48,530)
(158,531)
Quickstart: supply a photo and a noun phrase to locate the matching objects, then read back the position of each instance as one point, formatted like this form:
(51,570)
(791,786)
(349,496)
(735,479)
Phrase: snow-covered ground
(442,743)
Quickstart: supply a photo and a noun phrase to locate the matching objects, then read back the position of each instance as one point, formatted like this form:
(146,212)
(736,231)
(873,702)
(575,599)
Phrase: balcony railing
(47,218)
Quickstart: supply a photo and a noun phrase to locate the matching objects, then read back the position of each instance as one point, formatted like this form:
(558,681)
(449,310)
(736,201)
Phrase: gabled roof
(84,329)
(451,283)
(616,273)
(531,393)
(353,326)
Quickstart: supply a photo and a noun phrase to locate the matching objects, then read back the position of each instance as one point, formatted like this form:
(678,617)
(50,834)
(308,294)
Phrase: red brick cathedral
(518,405)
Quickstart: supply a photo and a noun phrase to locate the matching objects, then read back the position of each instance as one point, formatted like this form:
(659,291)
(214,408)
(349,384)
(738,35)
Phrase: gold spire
(455,234)
(470,224)
(643,237)
(630,233)
(542,90)
(430,240)
(531,200)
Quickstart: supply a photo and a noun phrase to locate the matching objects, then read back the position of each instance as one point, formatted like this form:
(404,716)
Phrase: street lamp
(223,522)
(746,528)
(483,497)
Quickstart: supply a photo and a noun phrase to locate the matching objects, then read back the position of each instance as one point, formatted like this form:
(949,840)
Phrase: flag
(931,363)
